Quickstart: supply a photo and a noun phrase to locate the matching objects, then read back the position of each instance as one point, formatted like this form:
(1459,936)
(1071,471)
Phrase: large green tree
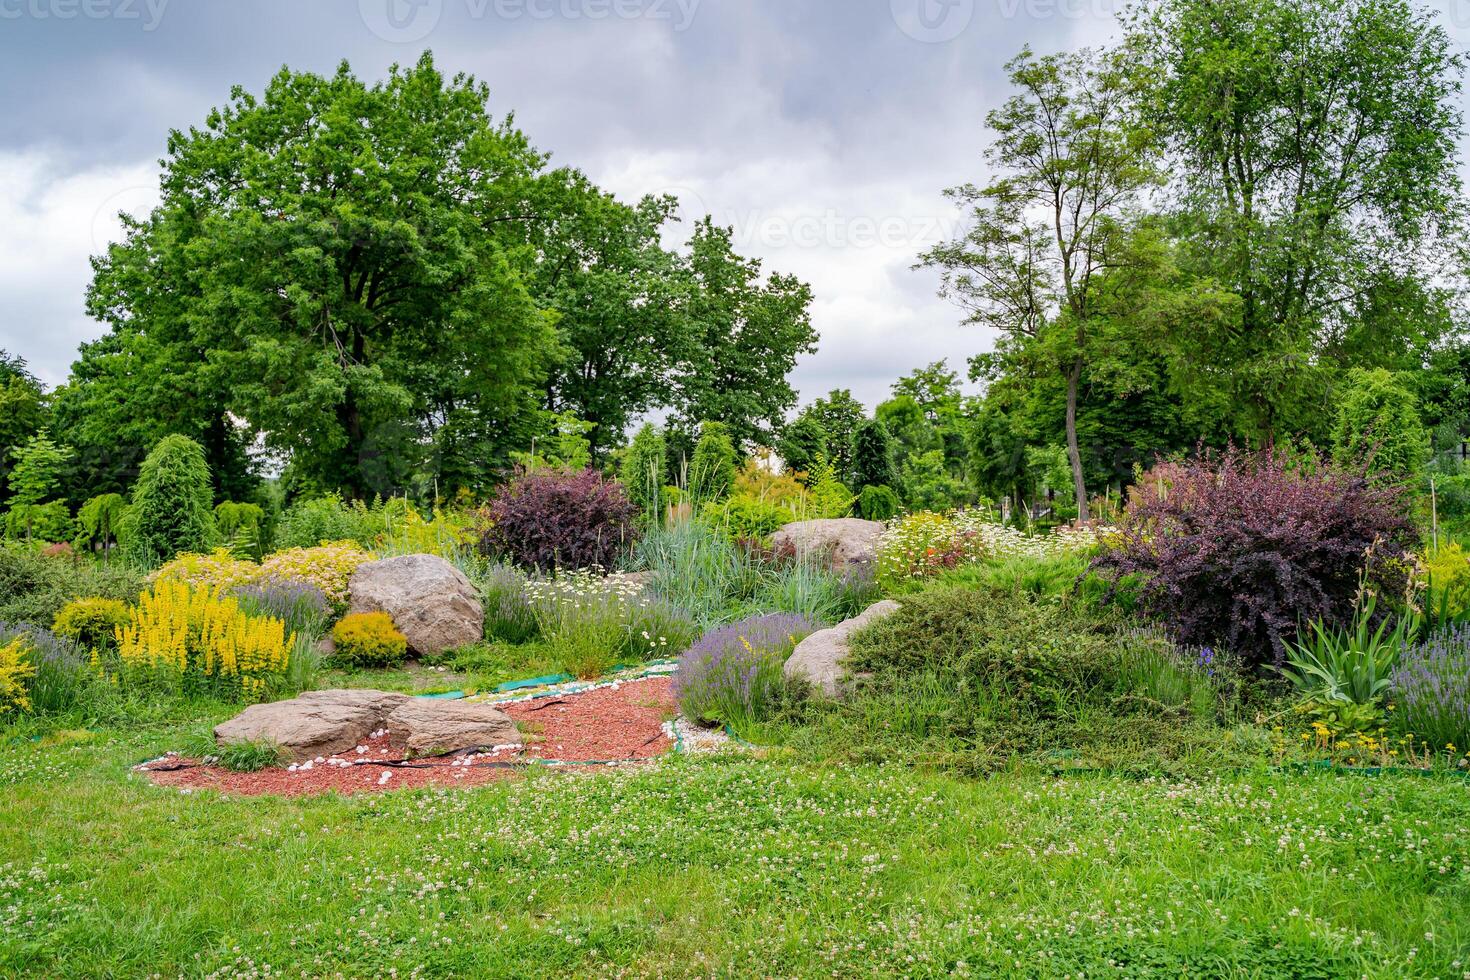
(1071,158)
(1313,148)
(347,265)
(747,332)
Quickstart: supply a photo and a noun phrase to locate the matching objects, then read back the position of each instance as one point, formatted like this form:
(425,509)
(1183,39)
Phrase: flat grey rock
(322,723)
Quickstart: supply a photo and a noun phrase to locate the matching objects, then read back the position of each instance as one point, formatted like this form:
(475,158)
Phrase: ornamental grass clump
(1430,688)
(1236,549)
(733,675)
(187,639)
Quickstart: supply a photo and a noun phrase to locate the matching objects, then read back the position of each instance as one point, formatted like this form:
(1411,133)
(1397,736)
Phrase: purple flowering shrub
(1236,549)
(304,608)
(734,674)
(550,520)
(1431,689)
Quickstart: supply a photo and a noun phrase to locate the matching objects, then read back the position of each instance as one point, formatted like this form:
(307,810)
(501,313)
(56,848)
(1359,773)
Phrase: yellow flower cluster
(218,570)
(328,567)
(195,634)
(14,671)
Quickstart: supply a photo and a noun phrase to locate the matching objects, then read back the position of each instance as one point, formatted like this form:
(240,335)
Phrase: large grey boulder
(432,603)
(316,723)
(322,723)
(844,541)
(818,658)
(426,726)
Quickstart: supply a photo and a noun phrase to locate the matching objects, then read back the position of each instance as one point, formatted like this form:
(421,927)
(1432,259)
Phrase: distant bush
(1237,549)
(643,470)
(712,468)
(1378,425)
(554,520)
(90,623)
(172,509)
(34,588)
(98,520)
(733,675)
(878,503)
(308,523)
(741,517)
(369,640)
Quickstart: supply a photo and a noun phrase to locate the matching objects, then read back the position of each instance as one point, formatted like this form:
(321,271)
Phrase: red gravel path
(607,724)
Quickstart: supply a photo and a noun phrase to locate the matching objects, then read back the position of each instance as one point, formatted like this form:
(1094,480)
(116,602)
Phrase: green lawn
(742,867)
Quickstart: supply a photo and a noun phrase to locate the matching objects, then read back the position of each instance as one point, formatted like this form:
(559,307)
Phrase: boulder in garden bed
(316,723)
(432,603)
(845,541)
(428,727)
(818,659)
(322,723)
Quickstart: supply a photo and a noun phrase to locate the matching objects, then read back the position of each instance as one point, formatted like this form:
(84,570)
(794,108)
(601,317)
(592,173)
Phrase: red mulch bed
(622,724)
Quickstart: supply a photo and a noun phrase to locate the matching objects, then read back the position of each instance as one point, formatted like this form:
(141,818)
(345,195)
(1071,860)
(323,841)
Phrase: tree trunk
(1074,377)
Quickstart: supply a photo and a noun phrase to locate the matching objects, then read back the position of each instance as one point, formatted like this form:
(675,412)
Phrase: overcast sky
(824,132)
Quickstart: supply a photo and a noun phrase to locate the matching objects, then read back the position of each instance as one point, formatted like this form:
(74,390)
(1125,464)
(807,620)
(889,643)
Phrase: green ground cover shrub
(974,678)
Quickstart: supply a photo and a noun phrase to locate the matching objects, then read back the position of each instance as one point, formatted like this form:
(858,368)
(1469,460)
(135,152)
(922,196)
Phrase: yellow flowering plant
(192,637)
(15,671)
(328,567)
(218,570)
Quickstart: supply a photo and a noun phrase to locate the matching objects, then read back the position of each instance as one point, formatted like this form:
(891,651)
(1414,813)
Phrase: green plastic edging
(546,681)
(445,696)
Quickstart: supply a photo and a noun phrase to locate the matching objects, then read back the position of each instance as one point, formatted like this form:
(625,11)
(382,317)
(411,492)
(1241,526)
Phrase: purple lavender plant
(733,673)
(303,607)
(1431,689)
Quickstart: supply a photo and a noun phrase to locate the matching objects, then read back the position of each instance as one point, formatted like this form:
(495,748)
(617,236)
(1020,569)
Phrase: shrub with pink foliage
(1238,549)
(552,519)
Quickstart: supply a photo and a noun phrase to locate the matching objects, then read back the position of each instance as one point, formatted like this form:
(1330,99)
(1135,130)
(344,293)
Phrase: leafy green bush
(643,470)
(1378,424)
(746,518)
(90,623)
(972,678)
(34,587)
(368,640)
(173,504)
(312,522)
(712,469)
(878,503)
(98,520)
(1348,667)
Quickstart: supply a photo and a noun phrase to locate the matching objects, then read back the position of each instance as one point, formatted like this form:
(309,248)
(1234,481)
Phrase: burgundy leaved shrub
(1237,549)
(552,519)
